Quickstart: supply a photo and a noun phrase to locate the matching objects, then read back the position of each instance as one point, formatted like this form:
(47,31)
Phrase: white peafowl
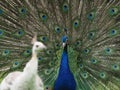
(28,79)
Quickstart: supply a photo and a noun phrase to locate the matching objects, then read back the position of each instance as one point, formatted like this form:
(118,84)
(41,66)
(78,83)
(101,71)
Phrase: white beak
(45,47)
(63,45)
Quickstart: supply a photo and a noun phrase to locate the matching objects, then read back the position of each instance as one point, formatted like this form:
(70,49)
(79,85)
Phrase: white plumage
(28,79)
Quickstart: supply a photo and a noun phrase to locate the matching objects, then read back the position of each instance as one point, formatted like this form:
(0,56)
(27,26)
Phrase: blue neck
(64,61)
(65,79)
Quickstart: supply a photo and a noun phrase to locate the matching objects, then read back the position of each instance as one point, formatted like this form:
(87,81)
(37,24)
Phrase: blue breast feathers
(65,79)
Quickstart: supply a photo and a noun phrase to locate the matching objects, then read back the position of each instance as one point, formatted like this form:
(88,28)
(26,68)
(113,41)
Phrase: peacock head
(37,46)
(64,41)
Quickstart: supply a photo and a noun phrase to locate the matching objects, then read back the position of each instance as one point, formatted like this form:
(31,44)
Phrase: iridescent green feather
(76,23)
(43,16)
(91,15)
(113,11)
(19,33)
(65,7)
(22,12)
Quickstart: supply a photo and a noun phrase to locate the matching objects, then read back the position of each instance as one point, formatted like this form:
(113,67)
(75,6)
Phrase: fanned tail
(93,29)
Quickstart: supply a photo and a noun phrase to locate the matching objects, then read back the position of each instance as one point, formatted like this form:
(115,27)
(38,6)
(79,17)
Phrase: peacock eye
(37,46)
(46,88)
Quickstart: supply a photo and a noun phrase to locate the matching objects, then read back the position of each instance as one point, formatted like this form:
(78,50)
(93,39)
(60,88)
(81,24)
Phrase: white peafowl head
(37,46)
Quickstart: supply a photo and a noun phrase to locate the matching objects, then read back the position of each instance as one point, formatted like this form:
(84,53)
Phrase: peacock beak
(44,46)
(64,41)
(64,44)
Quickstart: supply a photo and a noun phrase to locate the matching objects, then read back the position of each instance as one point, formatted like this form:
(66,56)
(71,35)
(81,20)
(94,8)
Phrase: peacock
(90,45)
(65,80)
